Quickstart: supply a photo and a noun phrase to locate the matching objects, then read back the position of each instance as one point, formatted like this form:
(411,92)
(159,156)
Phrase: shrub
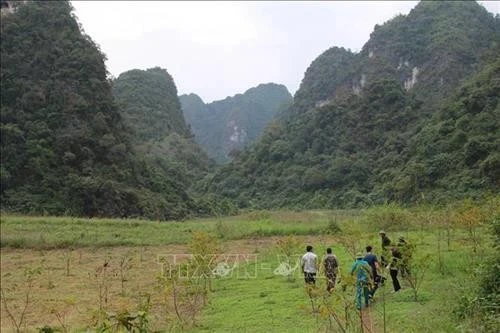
(333,227)
(387,217)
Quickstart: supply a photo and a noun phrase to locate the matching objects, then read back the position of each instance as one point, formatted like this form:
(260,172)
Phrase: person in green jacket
(363,279)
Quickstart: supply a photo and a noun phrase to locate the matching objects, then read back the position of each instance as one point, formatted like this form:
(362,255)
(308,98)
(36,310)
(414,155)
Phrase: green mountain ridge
(66,147)
(148,101)
(429,51)
(414,116)
(227,126)
(149,104)
(359,124)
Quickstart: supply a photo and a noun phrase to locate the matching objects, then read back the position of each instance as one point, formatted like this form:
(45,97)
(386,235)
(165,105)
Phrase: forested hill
(225,127)
(149,104)
(429,52)
(65,148)
(412,117)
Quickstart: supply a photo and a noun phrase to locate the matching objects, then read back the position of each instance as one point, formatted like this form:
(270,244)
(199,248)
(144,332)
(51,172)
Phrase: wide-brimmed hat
(381,232)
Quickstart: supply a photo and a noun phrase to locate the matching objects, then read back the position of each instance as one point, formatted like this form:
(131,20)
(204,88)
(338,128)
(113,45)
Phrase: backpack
(331,264)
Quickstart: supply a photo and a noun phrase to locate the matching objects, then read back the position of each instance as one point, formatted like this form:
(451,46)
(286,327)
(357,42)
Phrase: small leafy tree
(131,321)
(125,265)
(16,313)
(333,227)
(185,291)
(205,250)
(418,267)
(479,304)
(338,307)
(388,217)
(351,238)
(313,294)
(287,247)
(61,315)
(68,256)
(443,221)
(167,283)
(103,281)
(470,217)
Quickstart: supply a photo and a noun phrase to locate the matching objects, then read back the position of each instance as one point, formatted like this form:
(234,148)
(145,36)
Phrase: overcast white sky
(219,49)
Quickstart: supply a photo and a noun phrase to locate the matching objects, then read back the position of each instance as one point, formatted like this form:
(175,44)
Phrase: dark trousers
(395,281)
(377,280)
(310,278)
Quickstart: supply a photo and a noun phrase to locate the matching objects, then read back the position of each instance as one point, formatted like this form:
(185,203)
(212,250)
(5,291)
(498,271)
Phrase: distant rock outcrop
(226,126)
(414,116)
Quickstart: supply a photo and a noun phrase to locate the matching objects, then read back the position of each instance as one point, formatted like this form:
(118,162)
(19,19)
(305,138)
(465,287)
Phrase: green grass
(266,302)
(62,232)
(272,303)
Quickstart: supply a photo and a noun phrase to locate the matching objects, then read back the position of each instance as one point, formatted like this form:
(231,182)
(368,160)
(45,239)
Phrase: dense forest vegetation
(413,117)
(67,146)
(225,127)
(160,136)
(149,104)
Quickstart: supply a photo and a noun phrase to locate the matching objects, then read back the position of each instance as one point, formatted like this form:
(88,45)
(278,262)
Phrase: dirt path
(366,316)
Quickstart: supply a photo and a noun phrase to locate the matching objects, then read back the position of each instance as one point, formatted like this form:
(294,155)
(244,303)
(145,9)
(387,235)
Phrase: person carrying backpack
(331,266)
(386,243)
(406,250)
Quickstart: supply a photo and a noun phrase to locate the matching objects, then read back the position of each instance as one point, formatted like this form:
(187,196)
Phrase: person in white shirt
(309,264)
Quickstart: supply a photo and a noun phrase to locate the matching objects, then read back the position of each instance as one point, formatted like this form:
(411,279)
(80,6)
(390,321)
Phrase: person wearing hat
(386,243)
(406,253)
(363,279)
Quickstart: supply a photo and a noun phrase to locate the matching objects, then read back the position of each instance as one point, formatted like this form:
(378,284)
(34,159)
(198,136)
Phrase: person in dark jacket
(386,243)
(372,260)
(394,267)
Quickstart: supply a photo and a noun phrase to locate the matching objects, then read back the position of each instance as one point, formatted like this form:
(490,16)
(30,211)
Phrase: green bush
(390,217)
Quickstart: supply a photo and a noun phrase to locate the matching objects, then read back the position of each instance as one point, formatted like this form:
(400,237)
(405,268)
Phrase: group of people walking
(366,268)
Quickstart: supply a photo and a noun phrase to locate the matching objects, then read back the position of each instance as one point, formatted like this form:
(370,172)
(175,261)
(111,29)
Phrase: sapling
(339,308)
(61,313)
(10,308)
(287,247)
(101,277)
(67,255)
(418,269)
(205,250)
(125,265)
(470,217)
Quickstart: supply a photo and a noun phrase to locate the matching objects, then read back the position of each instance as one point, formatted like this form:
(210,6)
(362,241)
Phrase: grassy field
(273,302)
(75,271)
(63,232)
